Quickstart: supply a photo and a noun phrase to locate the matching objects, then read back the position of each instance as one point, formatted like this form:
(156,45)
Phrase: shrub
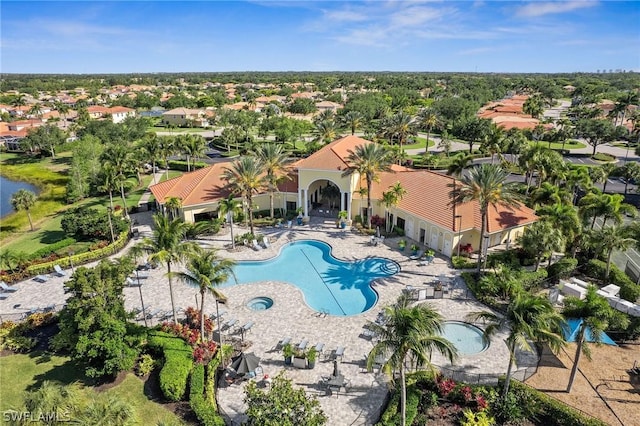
(11,337)
(562,269)
(182,165)
(178,362)
(392,414)
(628,289)
(480,418)
(201,407)
(460,262)
(52,248)
(532,280)
(508,258)
(146,364)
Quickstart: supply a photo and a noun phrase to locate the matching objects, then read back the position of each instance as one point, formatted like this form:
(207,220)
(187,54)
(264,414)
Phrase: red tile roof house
(425,212)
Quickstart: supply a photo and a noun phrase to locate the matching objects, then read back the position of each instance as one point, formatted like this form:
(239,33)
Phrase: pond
(8,188)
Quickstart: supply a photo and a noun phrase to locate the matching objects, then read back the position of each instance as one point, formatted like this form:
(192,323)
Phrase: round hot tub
(261,303)
(467,338)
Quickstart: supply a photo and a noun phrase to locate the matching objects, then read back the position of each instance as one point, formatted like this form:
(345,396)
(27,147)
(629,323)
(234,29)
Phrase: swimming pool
(467,338)
(329,285)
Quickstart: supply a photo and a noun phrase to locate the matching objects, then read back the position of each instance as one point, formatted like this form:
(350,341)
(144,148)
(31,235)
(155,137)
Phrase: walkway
(290,316)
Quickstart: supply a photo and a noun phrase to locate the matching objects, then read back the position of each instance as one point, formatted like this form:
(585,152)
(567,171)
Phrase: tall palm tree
(23,199)
(121,158)
(325,131)
(245,176)
(610,238)
(391,198)
(578,178)
(528,318)
(402,127)
(206,271)
(411,333)
(595,313)
(152,149)
(428,119)
(353,120)
(563,217)
(549,194)
(230,206)
(166,246)
(273,158)
(167,148)
(193,146)
(487,185)
(172,206)
(369,160)
(494,141)
(607,169)
(109,181)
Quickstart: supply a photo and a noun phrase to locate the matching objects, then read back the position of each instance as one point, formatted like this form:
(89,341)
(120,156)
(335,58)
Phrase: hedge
(562,269)
(392,415)
(52,248)
(82,258)
(203,410)
(554,412)
(461,262)
(178,362)
(628,289)
(182,165)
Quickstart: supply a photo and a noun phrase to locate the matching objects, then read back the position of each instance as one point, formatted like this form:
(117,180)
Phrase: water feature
(7,189)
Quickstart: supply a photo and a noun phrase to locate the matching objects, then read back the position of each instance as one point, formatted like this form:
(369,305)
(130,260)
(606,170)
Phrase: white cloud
(345,16)
(416,16)
(535,9)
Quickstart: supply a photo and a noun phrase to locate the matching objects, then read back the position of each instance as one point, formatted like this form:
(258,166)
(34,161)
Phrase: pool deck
(291,317)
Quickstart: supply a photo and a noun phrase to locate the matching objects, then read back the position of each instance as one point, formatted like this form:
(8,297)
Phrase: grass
(567,145)
(180,130)
(22,373)
(419,143)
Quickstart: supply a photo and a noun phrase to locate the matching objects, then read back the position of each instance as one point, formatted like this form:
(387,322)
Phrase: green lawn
(419,143)
(575,145)
(21,373)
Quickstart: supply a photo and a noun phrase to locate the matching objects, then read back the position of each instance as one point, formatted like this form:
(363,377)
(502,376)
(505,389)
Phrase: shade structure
(245,363)
(572,327)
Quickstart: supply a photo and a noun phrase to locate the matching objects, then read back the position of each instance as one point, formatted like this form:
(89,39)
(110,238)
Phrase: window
(400,223)
(291,205)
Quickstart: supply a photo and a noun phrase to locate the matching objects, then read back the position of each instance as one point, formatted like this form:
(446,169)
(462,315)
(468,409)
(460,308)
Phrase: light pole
(486,251)
(459,217)
(219,330)
(73,270)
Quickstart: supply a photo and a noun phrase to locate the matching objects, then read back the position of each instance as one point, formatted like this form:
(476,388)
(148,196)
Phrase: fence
(520,375)
(21,316)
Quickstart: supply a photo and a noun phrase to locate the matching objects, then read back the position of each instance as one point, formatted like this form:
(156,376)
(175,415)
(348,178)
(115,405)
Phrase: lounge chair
(284,341)
(426,261)
(265,242)
(368,334)
(247,326)
(230,323)
(255,245)
(417,256)
(3,296)
(220,314)
(140,276)
(319,347)
(339,353)
(58,271)
(41,278)
(131,283)
(5,288)
(303,345)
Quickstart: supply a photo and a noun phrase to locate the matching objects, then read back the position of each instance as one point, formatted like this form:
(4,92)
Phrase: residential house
(185,116)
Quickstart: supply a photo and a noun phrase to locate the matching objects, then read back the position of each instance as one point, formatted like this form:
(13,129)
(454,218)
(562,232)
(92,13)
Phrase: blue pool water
(329,285)
(467,338)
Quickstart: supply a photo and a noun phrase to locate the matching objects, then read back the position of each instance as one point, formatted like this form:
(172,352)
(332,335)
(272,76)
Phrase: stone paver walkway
(290,316)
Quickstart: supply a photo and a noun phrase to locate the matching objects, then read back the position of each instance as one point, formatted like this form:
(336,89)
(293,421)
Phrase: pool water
(468,339)
(329,285)
(260,303)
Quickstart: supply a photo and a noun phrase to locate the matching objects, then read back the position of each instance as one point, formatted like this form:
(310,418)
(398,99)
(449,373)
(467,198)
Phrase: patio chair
(58,271)
(266,243)
(319,348)
(220,314)
(303,345)
(41,278)
(339,353)
(131,283)
(3,296)
(284,341)
(247,326)
(7,289)
(230,323)
(255,245)
(368,334)
(140,276)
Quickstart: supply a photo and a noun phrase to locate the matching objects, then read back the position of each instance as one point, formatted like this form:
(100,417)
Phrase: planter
(299,362)
(343,225)
(299,221)
(311,364)
(287,360)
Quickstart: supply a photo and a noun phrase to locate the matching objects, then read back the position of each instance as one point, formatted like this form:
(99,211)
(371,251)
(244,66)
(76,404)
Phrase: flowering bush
(203,352)
(445,387)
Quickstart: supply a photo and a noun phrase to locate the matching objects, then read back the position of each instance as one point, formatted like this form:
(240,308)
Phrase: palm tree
(610,238)
(245,176)
(549,194)
(607,169)
(402,127)
(369,160)
(595,312)
(428,119)
(487,185)
(230,206)
(410,333)
(193,146)
(325,131)
(528,318)
(391,198)
(63,110)
(167,148)
(458,163)
(494,141)
(578,178)
(24,199)
(120,157)
(172,206)
(166,246)
(152,149)
(563,217)
(273,158)
(542,239)
(353,120)
(206,271)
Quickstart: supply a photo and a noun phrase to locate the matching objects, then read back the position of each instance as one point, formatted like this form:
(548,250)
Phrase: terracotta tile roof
(199,187)
(117,109)
(332,156)
(428,197)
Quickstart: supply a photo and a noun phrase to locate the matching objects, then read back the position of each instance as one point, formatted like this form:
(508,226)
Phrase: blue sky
(265,35)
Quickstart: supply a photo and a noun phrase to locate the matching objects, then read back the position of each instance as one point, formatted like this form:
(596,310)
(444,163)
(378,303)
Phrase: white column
(349,204)
(300,197)
(306,202)
(342,200)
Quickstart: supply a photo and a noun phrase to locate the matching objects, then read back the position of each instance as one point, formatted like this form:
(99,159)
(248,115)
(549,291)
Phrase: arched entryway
(324,197)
